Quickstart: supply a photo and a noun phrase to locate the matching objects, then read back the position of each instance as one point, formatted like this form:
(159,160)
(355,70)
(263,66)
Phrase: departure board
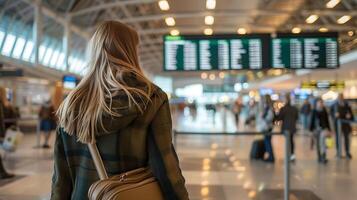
(251,51)
(305,51)
(218,52)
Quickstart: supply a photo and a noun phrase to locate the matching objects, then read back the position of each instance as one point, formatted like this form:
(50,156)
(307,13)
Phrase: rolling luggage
(258,150)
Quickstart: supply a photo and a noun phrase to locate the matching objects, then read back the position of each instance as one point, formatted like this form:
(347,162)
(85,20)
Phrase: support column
(66,41)
(37,30)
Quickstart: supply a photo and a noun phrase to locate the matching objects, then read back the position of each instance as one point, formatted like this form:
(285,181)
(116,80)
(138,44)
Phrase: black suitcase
(258,150)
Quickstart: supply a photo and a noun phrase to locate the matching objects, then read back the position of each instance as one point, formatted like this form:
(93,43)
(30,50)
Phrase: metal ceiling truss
(113,14)
(150,27)
(105,6)
(59,18)
(236,13)
(145,38)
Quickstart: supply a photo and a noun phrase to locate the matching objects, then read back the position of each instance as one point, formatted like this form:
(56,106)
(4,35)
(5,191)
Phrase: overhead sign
(218,52)
(323,85)
(251,51)
(70,81)
(218,89)
(11,73)
(305,51)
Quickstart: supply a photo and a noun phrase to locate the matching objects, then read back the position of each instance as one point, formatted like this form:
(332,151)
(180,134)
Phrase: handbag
(13,137)
(135,184)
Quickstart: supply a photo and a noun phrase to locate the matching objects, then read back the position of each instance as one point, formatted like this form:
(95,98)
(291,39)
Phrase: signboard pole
(287,166)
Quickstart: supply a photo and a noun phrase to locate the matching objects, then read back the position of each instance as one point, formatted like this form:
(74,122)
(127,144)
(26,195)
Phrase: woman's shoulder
(157,91)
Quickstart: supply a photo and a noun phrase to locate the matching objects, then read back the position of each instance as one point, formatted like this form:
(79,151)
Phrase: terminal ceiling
(145,15)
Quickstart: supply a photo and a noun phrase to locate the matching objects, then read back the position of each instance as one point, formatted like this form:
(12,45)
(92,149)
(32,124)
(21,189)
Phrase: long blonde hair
(113,56)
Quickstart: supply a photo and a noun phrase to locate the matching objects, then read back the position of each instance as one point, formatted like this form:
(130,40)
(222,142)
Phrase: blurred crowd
(323,123)
(327,124)
(9,128)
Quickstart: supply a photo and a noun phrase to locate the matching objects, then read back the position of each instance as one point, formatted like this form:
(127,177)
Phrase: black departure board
(305,51)
(217,52)
(251,51)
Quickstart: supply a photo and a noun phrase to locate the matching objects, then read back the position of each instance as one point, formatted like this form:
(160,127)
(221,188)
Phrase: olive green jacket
(134,140)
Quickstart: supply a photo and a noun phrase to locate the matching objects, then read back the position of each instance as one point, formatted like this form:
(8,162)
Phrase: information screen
(69,81)
(305,51)
(218,52)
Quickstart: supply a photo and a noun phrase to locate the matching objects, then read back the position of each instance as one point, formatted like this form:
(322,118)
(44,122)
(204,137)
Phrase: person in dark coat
(3,101)
(289,115)
(320,125)
(341,110)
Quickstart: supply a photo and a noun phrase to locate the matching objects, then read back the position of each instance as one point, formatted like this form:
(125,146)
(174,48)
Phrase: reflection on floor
(215,167)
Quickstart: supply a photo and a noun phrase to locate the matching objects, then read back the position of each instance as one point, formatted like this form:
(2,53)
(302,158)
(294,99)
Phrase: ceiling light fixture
(311,19)
(209,20)
(344,19)
(174,32)
(296,30)
(221,75)
(210,4)
(164,5)
(350,33)
(170,21)
(323,29)
(332,3)
(212,77)
(242,31)
(208,31)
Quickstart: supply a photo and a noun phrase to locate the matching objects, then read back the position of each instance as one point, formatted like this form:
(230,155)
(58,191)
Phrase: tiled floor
(215,167)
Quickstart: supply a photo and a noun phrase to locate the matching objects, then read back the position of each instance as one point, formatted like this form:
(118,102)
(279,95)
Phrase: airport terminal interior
(231,70)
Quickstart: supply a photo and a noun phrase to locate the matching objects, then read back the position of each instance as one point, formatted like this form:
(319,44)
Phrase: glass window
(60,63)
(73,62)
(70,60)
(9,43)
(54,58)
(46,59)
(42,52)
(32,59)
(2,35)
(77,66)
(83,65)
(19,47)
(28,51)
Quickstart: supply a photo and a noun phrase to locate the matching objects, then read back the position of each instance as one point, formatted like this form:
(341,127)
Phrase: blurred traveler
(266,126)
(237,108)
(320,125)
(289,115)
(47,121)
(341,110)
(10,115)
(117,108)
(305,112)
(252,112)
(193,109)
(3,103)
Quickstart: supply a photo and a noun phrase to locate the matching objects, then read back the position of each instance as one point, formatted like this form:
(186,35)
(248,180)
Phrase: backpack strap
(98,162)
